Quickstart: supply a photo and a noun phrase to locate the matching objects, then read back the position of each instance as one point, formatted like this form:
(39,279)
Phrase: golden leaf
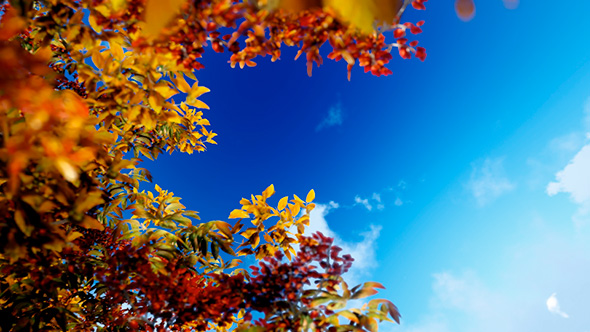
(310,196)
(283,203)
(158,14)
(73,235)
(182,84)
(363,14)
(91,223)
(199,104)
(224,227)
(197,91)
(118,4)
(295,209)
(117,51)
(93,24)
(268,192)
(238,214)
(69,172)
(19,218)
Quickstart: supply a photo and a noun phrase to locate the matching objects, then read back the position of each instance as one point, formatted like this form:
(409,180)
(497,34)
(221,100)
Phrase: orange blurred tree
(86,91)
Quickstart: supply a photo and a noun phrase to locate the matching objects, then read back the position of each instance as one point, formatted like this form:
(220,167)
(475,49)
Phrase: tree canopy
(89,88)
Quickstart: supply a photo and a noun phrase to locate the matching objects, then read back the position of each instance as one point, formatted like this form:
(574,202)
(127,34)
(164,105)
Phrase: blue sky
(461,183)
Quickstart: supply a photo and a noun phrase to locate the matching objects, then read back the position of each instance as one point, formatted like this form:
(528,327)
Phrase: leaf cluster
(88,90)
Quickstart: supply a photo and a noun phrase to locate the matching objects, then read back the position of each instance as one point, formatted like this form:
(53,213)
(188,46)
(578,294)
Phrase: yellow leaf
(182,84)
(224,227)
(267,238)
(283,203)
(93,24)
(158,14)
(268,192)
(199,104)
(156,102)
(197,91)
(117,51)
(364,292)
(238,214)
(310,196)
(297,199)
(295,209)
(165,91)
(106,12)
(97,59)
(19,218)
(118,4)
(91,223)
(363,14)
(73,235)
(69,172)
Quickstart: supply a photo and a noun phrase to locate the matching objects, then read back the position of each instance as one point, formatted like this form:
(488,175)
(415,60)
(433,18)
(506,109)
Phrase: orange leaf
(224,227)
(299,5)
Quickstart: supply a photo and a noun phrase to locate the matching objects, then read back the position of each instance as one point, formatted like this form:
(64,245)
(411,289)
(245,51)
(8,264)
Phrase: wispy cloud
(587,115)
(369,203)
(465,292)
(488,181)
(364,202)
(574,179)
(363,251)
(378,200)
(516,300)
(333,118)
(553,306)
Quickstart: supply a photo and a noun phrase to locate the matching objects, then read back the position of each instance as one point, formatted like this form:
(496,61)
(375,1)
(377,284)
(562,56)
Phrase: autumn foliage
(86,91)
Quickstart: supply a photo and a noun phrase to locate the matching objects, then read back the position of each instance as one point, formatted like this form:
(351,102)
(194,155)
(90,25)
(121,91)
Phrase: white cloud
(574,179)
(553,306)
(587,115)
(364,202)
(487,181)
(369,203)
(465,293)
(398,202)
(377,197)
(515,300)
(567,143)
(460,298)
(362,251)
(333,118)
(402,184)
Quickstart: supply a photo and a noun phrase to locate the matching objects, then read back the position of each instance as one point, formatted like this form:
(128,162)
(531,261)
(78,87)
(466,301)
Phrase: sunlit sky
(461,183)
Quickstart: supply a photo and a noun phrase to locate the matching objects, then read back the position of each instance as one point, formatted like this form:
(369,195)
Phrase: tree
(86,91)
